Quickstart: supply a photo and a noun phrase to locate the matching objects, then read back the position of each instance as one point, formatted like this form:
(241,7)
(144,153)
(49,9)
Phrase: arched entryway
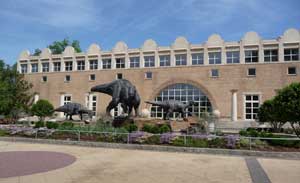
(183,92)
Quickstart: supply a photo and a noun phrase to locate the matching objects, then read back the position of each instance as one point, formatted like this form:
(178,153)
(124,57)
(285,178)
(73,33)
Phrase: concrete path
(136,166)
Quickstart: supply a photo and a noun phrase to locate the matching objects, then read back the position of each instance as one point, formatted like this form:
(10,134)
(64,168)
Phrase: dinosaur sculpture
(170,106)
(71,109)
(123,92)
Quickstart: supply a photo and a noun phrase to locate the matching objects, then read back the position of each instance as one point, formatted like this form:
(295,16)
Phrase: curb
(162,148)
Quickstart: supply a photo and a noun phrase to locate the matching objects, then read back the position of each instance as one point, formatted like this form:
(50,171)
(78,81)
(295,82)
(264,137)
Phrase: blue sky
(30,24)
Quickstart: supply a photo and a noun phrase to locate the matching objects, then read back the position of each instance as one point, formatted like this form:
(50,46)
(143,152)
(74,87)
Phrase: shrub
(197,142)
(244,142)
(3,133)
(151,128)
(178,141)
(39,124)
(52,125)
(66,125)
(217,143)
(252,132)
(154,139)
(243,133)
(131,127)
(42,109)
(164,129)
(231,141)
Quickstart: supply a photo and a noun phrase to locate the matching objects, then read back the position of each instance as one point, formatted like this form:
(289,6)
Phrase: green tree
(57,47)
(37,52)
(42,109)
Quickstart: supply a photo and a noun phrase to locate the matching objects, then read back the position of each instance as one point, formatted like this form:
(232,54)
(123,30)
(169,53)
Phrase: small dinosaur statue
(170,106)
(123,92)
(72,108)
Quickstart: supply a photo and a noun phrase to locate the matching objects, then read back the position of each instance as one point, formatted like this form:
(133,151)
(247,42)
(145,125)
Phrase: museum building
(233,78)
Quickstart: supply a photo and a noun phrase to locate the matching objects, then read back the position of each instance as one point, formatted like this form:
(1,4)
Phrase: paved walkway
(135,166)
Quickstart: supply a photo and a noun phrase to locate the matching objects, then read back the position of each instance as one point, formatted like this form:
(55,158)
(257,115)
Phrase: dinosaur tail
(154,102)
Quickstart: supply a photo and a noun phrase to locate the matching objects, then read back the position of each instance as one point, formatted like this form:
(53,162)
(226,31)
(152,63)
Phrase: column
(90,101)
(36,98)
(234,105)
(62,99)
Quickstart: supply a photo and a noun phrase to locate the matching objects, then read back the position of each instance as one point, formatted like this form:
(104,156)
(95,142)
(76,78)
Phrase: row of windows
(232,57)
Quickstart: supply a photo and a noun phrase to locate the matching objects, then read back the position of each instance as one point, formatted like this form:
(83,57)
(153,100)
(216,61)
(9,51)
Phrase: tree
(42,109)
(37,52)
(57,47)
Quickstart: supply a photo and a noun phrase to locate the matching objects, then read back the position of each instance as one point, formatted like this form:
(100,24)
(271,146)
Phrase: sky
(31,24)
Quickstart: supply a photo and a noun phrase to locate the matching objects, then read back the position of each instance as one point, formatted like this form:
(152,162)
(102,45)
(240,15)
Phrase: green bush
(197,142)
(164,128)
(52,125)
(39,124)
(217,143)
(131,127)
(244,142)
(178,141)
(3,133)
(66,126)
(154,139)
(151,128)
(243,133)
(252,132)
(42,109)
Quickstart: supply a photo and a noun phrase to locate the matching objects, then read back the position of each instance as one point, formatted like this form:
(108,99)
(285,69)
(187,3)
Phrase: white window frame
(213,57)
(90,77)
(248,69)
(180,59)
(24,68)
(106,63)
(197,58)
(120,63)
(149,61)
(271,56)
(259,94)
(34,69)
(45,67)
(68,66)
(80,65)
(134,62)
(164,60)
(93,64)
(231,58)
(56,66)
(292,74)
(251,56)
(290,55)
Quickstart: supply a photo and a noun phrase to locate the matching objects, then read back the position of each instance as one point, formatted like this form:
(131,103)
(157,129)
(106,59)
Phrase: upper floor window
(93,64)
(134,62)
(180,59)
(214,57)
(69,66)
(251,56)
(45,67)
(149,61)
(120,63)
(233,57)
(197,58)
(80,65)
(164,60)
(24,68)
(34,68)
(106,63)
(56,66)
(291,54)
(271,55)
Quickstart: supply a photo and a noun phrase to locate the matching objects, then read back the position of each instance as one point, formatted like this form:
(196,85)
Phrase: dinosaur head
(104,88)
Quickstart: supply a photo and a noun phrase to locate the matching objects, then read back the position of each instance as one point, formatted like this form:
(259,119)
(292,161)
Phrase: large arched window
(183,92)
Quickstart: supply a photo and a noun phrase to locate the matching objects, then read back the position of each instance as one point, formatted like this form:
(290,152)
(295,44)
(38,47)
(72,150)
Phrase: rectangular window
(164,60)
(92,77)
(34,68)
(251,56)
(68,66)
(67,78)
(119,76)
(45,67)
(233,57)
(56,66)
(271,55)
(81,65)
(214,58)
(148,75)
(24,68)
(106,63)
(134,62)
(180,59)
(251,106)
(67,99)
(93,64)
(251,72)
(120,63)
(149,61)
(44,79)
(197,58)
(292,71)
(94,104)
(291,54)
(214,73)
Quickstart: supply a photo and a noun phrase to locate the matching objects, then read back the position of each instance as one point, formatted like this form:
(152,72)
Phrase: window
(93,64)
(214,73)
(291,54)
(34,68)
(44,79)
(214,57)
(56,66)
(148,75)
(67,78)
(164,60)
(180,59)
(45,67)
(251,56)
(23,68)
(251,106)
(119,76)
(68,66)
(233,57)
(292,71)
(67,99)
(80,65)
(134,62)
(94,104)
(92,77)
(106,63)
(251,72)
(149,61)
(120,63)
(197,58)
(270,55)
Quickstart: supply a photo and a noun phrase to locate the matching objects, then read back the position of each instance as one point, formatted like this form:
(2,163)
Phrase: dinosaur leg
(111,106)
(169,112)
(124,107)
(71,117)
